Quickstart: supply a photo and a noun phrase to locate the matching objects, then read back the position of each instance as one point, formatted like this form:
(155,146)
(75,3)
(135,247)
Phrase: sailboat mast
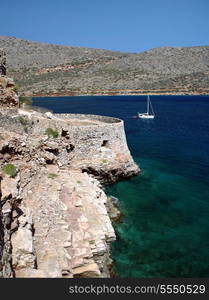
(148,105)
(152,110)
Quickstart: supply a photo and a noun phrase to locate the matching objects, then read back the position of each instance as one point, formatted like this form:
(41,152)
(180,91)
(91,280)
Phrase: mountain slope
(40,68)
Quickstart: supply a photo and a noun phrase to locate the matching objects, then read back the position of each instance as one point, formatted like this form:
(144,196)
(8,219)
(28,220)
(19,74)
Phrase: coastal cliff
(54,219)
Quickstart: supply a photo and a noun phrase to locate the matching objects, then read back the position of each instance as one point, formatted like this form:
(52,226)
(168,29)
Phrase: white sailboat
(150,112)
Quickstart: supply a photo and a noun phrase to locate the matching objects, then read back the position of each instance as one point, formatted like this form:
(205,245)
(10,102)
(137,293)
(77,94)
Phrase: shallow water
(165,229)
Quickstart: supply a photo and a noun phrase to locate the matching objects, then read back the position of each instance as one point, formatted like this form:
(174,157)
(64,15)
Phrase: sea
(164,231)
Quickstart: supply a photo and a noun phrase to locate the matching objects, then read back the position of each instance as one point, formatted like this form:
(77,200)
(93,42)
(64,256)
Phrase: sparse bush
(25,100)
(104,161)
(52,175)
(52,133)
(15,88)
(23,122)
(10,170)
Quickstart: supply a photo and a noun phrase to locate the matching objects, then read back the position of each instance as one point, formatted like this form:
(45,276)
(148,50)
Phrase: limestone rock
(90,270)
(8,95)
(22,244)
(49,114)
(114,212)
(9,187)
(2,62)
(31,273)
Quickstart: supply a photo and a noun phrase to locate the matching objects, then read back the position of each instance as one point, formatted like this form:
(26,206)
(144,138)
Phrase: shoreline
(94,95)
(70,94)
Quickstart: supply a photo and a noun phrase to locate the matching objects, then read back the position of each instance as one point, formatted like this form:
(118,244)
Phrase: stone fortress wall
(88,133)
(95,144)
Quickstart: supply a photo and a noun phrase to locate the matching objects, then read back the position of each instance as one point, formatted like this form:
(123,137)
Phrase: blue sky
(124,25)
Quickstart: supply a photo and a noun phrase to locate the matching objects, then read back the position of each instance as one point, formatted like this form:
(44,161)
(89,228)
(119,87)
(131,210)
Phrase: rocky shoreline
(55,217)
(124,93)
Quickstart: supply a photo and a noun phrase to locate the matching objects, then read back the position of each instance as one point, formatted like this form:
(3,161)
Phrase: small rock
(49,115)
(67,244)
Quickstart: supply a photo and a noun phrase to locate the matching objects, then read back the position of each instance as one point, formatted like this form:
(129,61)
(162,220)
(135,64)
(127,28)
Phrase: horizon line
(84,47)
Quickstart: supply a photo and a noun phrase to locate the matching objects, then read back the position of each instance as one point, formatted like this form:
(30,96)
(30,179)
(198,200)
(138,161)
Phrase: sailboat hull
(145,116)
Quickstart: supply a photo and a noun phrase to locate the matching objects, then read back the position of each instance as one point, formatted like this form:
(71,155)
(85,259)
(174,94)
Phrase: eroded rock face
(54,212)
(2,62)
(8,94)
(61,227)
(72,227)
(8,204)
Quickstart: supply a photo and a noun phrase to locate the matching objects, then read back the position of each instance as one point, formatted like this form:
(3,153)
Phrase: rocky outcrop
(2,62)
(8,93)
(55,215)
(72,227)
(8,207)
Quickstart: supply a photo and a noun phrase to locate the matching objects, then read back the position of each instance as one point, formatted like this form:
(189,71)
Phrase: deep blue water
(165,229)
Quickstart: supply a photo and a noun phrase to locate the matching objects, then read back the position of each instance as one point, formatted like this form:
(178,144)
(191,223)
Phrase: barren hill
(40,68)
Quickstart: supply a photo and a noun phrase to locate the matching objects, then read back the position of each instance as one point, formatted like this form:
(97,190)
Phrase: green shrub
(51,132)
(15,88)
(52,175)
(24,123)
(25,100)
(10,170)
(104,161)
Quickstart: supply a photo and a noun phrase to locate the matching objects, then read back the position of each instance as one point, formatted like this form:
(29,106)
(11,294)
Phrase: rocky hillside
(40,68)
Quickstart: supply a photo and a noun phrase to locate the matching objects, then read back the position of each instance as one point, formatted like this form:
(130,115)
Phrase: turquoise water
(165,228)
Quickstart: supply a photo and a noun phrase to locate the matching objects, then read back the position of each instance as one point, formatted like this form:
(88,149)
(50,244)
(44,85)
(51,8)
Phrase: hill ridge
(49,69)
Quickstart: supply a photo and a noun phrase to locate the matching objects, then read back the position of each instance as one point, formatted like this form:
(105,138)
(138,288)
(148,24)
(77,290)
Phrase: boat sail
(150,112)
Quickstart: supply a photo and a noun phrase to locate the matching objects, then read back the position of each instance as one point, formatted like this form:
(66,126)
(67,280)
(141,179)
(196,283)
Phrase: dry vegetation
(40,68)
